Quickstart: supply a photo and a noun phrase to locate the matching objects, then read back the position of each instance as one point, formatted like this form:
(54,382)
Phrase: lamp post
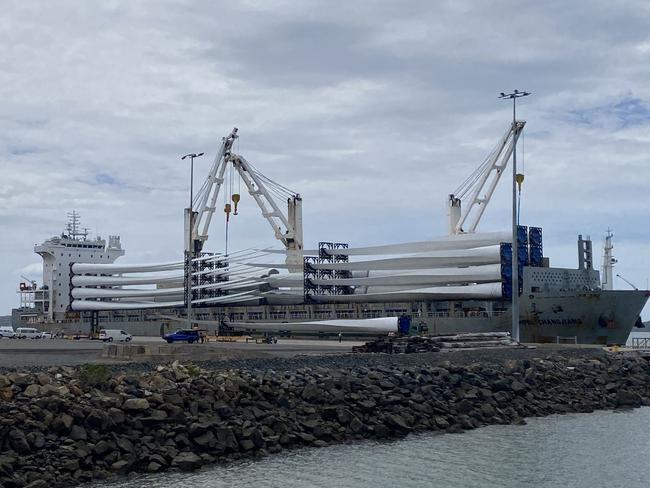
(190,244)
(515,252)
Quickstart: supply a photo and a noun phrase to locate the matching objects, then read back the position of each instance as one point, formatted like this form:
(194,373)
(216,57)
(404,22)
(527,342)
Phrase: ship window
(61,254)
(69,255)
(92,256)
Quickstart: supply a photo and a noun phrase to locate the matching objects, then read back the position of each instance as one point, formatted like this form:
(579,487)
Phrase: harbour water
(603,449)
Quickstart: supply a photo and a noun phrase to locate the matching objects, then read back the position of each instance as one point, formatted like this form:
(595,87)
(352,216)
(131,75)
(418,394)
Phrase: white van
(7,331)
(27,333)
(110,335)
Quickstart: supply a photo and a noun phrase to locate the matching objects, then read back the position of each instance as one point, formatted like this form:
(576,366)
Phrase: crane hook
(227,209)
(235,198)
(519,178)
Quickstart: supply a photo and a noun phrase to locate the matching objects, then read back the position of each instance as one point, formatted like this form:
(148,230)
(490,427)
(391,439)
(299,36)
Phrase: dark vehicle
(185,335)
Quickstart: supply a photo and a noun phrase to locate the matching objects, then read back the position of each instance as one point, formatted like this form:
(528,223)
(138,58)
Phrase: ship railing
(566,339)
(469,313)
(641,343)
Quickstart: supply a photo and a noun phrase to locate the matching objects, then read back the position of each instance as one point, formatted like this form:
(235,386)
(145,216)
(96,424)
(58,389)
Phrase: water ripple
(603,449)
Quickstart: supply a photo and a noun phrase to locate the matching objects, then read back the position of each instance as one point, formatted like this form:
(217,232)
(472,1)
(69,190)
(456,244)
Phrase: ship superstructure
(51,301)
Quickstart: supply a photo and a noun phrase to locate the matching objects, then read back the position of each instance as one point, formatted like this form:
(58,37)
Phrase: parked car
(27,333)
(7,331)
(49,335)
(110,335)
(185,335)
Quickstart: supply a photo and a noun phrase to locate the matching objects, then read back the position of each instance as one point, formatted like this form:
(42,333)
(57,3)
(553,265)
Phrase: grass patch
(96,375)
(193,370)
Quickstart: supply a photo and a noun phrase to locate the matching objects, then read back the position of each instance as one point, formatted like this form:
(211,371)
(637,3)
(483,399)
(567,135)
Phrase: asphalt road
(18,353)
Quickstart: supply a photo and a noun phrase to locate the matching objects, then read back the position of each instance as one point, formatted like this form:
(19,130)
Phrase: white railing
(566,339)
(641,343)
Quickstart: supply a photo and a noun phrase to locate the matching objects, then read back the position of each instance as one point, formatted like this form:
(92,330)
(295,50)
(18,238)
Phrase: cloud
(624,113)
(373,111)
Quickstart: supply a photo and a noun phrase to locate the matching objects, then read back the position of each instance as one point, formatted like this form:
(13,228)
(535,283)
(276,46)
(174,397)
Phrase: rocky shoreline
(66,426)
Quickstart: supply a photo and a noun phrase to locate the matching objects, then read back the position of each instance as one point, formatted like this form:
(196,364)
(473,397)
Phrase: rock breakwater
(64,426)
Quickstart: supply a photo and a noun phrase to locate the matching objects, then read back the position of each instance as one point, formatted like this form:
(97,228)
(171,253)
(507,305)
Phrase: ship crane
(287,227)
(480,185)
(628,282)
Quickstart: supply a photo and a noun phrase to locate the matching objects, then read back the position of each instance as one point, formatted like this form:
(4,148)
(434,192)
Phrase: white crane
(286,227)
(480,185)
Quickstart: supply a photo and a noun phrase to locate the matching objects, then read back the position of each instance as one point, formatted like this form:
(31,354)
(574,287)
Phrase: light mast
(608,263)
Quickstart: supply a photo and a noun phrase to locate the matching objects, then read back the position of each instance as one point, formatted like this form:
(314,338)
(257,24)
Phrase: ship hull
(590,317)
(594,317)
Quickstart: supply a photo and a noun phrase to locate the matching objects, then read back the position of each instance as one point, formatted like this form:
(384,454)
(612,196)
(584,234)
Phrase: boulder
(120,465)
(69,465)
(36,440)
(226,437)
(154,467)
(356,425)
(62,423)
(246,445)
(135,405)
(187,461)
(32,391)
(18,441)
(312,393)
(628,398)
(6,394)
(125,444)
(49,390)
(78,433)
(396,422)
(20,379)
(344,416)
(518,387)
(101,448)
(116,416)
(43,379)
(205,440)
(37,484)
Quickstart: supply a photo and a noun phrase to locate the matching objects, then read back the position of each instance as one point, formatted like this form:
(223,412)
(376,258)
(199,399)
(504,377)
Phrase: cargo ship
(457,283)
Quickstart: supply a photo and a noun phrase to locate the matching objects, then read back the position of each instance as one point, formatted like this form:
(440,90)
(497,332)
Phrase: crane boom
(481,184)
(206,198)
(287,228)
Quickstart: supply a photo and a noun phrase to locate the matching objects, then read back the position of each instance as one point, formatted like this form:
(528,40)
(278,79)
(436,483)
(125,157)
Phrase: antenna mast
(608,263)
(73,226)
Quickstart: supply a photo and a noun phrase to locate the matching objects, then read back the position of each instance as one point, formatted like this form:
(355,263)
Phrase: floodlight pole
(515,251)
(190,249)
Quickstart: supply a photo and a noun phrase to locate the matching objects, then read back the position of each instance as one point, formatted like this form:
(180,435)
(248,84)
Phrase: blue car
(184,335)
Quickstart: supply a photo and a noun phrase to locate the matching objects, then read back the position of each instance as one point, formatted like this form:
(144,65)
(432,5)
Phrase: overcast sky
(374,111)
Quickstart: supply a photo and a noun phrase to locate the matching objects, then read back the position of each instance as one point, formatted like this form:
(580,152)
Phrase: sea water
(602,449)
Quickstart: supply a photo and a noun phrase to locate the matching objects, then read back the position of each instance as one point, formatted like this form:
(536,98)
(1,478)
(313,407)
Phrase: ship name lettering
(560,322)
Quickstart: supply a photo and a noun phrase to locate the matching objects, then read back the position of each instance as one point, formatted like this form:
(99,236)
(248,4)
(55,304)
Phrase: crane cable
(227,189)
(471,180)
(520,176)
